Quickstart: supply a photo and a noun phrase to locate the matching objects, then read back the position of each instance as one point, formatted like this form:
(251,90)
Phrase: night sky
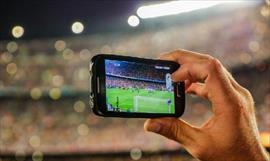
(42,19)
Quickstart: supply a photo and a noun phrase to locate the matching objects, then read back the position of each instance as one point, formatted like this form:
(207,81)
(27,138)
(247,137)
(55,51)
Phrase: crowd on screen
(124,83)
(135,70)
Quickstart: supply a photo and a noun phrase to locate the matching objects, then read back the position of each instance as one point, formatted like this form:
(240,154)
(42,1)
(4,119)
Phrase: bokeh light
(60,45)
(12,68)
(34,141)
(83,129)
(79,106)
(12,46)
(35,93)
(133,21)
(85,54)
(135,153)
(77,27)
(17,31)
(254,46)
(37,156)
(55,93)
(68,54)
(245,58)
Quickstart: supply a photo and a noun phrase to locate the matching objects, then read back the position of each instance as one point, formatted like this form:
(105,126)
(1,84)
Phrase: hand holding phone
(123,86)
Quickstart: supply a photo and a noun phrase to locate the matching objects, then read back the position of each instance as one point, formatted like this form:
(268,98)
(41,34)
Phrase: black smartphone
(123,86)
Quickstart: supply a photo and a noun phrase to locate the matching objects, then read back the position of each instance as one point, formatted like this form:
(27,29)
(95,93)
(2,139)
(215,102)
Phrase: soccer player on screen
(117,101)
(169,102)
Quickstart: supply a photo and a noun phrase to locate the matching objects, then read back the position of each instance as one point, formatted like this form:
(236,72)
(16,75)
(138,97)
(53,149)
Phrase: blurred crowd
(42,112)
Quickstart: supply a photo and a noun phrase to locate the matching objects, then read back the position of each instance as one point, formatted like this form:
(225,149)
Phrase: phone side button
(177,90)
(98,91)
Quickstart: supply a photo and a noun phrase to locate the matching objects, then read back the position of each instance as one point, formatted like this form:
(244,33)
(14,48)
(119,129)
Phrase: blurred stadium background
(45,48)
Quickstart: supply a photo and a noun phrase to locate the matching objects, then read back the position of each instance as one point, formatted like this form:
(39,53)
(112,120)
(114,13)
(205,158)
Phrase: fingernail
(154,127)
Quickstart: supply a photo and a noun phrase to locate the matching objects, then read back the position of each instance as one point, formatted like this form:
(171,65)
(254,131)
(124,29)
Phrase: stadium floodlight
(177,7)
(17,31)
(77,27)
(133,21)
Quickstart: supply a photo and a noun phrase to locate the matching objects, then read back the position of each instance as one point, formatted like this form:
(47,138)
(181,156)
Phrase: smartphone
(123,86)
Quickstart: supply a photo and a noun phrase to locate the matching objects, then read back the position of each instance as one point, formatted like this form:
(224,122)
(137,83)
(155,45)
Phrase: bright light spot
(77,27)
(85,54)
(83,129)
(133,21)
(55,93)
(37,156)
(12,68)
(245,58)
(68,54)
(176,7)
(254,46)
(35,93)
(17,31)
(34,141)
(79,106)
(60,45)
(135,154)
(12,46)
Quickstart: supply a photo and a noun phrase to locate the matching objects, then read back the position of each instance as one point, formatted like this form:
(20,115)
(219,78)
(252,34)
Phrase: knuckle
(214,64)
(177,52)
(247,93)
(249,101)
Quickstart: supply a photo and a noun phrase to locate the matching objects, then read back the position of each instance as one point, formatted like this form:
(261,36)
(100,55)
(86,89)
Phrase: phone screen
(139,87)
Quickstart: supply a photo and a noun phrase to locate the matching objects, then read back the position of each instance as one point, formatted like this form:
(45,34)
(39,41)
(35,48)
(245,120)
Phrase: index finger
(182,56)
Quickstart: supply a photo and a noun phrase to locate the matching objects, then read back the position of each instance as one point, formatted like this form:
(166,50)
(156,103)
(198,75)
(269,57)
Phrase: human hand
(231,134)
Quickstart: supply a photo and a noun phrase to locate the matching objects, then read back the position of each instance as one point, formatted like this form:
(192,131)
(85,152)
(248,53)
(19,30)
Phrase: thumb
(172,128)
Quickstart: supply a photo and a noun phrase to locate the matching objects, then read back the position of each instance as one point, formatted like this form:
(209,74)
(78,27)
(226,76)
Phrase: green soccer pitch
(134,100)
